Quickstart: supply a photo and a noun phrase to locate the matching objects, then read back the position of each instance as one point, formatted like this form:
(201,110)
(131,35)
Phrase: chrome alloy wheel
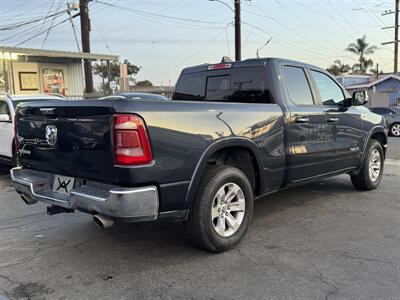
(227,211)
(395,130)
(374,165)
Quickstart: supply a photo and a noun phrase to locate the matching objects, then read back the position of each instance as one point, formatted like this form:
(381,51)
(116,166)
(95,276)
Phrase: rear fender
(201,166)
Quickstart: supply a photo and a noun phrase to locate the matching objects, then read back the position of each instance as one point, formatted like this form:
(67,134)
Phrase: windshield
(244,85)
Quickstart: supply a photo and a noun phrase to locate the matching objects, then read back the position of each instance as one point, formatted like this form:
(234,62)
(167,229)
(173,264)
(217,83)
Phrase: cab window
(298,87)
(329,91)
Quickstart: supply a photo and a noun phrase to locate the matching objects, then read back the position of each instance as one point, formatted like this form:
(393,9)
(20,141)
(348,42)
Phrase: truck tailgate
(73,140)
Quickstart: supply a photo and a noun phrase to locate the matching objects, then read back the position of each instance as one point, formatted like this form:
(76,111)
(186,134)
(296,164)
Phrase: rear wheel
(222,210)
(371,173)
(395,130)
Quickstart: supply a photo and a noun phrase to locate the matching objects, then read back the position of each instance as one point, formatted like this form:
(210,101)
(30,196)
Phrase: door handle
(332,120)
(302,120)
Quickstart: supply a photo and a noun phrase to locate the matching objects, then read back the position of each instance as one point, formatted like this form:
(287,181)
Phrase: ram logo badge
(51,135)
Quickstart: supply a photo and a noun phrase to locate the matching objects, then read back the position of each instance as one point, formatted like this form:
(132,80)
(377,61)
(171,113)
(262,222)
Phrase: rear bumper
(127,204)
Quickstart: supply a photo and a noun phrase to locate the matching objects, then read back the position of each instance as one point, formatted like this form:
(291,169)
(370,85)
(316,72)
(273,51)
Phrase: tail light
(131,141)
(219,66)
(16,141)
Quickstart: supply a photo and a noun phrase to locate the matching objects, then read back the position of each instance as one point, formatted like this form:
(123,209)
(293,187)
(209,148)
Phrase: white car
(7,108)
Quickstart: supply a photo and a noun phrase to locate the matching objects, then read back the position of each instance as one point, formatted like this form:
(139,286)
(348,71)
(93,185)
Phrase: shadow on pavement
(151,240)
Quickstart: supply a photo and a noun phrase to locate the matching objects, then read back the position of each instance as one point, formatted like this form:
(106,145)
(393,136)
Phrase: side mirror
(359,98)
(5,118)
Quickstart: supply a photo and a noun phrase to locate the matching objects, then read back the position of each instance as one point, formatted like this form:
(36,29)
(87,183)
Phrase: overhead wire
(321,36)
(141,12)
(189,57)
(51,23)
(47,15)
(42,32)
(22,24)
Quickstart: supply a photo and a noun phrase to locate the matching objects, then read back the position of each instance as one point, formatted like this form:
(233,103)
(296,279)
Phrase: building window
(53,81)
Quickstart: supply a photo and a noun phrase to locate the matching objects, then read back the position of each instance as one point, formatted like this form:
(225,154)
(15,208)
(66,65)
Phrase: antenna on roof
(262,46)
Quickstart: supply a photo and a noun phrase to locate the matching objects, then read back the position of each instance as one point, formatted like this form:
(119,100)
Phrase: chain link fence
(166,91)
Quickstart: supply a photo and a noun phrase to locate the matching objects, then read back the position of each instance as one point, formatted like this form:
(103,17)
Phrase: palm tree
(361,48)
(338,68)
(362,68)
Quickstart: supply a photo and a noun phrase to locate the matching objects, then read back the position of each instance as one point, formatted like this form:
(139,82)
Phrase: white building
(34,71)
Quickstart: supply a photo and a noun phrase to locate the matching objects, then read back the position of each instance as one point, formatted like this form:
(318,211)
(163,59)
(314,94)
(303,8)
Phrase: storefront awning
(56,53)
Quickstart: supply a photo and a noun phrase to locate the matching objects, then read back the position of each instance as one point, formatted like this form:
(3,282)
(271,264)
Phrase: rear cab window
(236,85)
(298,87)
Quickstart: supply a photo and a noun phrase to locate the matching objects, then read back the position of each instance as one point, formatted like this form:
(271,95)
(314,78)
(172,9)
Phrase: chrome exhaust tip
(27,199)
(103,221)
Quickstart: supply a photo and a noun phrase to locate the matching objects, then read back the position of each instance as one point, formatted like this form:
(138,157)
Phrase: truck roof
(251,62)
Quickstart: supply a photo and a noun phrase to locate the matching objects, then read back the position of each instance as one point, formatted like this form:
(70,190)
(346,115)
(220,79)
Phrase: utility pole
(238,42)
(396,33)
(85,35)
(396,37)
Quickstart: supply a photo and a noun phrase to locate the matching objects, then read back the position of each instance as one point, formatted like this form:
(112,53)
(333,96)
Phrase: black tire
(394,130)
(200,227)
(363,180)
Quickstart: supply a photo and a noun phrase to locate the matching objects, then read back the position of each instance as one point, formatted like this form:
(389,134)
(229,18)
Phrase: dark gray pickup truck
(233,132)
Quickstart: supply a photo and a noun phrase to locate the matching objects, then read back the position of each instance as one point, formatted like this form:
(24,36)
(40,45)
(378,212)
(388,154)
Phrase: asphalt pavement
(324,240)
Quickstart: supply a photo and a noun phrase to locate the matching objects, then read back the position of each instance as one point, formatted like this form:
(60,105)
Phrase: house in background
(35,71)
(353,79)
(382,91)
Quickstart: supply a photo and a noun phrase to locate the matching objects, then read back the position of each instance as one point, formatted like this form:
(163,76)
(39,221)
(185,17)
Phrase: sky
(162,37)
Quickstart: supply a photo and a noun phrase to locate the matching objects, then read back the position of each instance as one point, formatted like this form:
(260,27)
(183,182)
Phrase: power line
(51,23)
(155,14)
(337,19)
(70,7)
(336,22)
(47,15)
(189,57)
(346,20)
(322,37)
(23,33)
(21,24)
(297,34)
(42,32)
(18,5)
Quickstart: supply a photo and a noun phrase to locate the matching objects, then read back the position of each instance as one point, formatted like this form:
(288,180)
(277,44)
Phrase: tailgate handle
(302,120)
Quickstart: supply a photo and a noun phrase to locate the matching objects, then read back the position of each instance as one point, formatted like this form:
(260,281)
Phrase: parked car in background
(135,96)
(8,104)
(233,132)
(392,117)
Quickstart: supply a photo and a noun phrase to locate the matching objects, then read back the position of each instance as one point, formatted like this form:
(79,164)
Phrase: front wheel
(222,209)
(370,175)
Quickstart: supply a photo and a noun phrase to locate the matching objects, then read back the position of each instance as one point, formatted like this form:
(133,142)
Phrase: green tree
(101,70)
(144,83)
(362,49)
(363,66)
(338,68)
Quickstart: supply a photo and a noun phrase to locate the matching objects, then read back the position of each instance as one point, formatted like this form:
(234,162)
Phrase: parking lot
(322,241)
